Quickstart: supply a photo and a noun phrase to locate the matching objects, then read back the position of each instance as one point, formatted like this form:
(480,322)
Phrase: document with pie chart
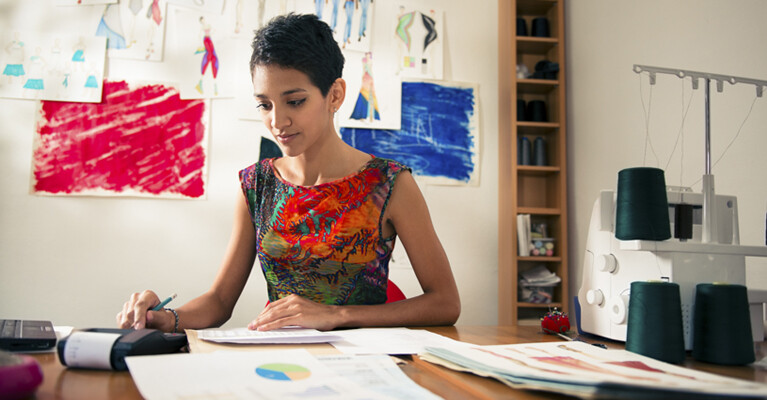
(287,374)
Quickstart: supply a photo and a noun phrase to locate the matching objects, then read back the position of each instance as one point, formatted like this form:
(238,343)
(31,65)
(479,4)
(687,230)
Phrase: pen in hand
(164,302)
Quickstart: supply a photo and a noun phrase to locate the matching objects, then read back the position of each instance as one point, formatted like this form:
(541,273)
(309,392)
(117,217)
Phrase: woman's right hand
(137,313)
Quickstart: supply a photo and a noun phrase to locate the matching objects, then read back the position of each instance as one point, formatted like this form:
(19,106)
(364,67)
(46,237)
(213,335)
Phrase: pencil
(164,302)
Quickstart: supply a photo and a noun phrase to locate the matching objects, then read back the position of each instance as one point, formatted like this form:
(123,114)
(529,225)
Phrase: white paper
(90,349)
(388,341)
(291,374)
(378,373)
(283,335)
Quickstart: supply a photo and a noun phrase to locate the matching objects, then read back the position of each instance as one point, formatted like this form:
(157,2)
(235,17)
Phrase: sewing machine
(610,265)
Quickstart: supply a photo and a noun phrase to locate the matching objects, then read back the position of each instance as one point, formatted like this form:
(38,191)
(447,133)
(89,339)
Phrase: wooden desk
(62,383)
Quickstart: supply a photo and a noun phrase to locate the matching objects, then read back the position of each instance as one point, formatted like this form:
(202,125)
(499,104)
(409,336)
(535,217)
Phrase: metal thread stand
(709,193)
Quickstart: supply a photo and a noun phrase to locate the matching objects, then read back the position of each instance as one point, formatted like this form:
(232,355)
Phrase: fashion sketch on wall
(135,29)
(51,66)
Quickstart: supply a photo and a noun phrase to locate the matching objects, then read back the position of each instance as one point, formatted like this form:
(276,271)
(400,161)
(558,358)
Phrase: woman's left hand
(295,310)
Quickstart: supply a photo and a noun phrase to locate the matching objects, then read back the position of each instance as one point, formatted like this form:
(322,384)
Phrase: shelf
(535,7)
(538,211)
(535,45)
(537,86)
(539,305)
(537,170)
(540,259)
(537,125)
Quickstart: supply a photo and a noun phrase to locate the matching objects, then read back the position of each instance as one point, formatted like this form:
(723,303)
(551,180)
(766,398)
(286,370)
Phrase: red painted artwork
(140,140)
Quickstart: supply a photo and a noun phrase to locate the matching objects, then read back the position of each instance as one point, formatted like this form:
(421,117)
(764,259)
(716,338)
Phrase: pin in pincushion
(555,322)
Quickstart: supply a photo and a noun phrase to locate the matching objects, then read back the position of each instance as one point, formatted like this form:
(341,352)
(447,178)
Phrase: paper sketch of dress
(153,12)
(366,107)
(15,65)
(404,22)
(431,32)
(111,27)
(209,56)
(35,80)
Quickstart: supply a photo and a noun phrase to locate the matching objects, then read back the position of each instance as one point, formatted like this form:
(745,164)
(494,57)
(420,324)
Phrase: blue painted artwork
(438,137)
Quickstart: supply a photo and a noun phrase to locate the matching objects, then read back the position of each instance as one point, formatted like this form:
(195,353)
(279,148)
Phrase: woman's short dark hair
(302,42)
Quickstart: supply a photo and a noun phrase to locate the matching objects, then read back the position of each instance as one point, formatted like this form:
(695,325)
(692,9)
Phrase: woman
(323,219)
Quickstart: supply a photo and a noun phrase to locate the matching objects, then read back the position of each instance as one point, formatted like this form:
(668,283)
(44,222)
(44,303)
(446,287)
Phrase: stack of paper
(584,370)
(283,335)
(539,276)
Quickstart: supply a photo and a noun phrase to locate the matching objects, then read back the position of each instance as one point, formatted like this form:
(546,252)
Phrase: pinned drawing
(209,57)
(350,20)
(111,27)
(135,29)
(418,36)
(439,137)
(203,58)
(367,105)
(47,66)
(142,140)
(251,15)
(14,61)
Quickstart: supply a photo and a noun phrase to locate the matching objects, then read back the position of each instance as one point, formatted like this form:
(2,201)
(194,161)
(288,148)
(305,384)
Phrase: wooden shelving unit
(540,191)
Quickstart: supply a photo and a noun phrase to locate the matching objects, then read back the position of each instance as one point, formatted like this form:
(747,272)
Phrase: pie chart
(283,372)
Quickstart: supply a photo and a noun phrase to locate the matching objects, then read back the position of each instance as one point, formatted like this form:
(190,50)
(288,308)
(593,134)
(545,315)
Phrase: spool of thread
(540,27)
(521,27)
(536,111)
(523,151)
(722,325)
(683,221)
(521,110)
(655,321)
(642,206)
(539,152)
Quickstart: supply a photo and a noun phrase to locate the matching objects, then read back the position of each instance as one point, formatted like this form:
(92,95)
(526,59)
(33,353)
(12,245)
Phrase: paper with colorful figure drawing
(203,56)
(134,29)
(51,66)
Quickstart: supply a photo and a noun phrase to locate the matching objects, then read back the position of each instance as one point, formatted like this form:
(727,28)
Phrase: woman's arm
(215,306)
(439,304)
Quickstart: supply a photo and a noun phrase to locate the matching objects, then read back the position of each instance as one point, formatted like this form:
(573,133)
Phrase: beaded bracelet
(175,314)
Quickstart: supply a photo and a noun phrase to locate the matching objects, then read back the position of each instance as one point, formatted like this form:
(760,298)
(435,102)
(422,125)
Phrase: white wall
(85,255)
(75,260)
(606,125)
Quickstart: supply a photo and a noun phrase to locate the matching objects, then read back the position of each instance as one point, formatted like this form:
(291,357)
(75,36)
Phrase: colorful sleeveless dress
(323,242)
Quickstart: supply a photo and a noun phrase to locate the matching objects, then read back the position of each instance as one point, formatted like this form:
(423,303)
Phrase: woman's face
(293,109)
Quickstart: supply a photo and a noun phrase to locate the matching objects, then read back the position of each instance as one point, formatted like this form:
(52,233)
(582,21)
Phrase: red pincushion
(555,322)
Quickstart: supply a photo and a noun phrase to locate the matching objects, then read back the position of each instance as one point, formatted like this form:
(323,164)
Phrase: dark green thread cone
(642,205)
(655,321)
(722,325)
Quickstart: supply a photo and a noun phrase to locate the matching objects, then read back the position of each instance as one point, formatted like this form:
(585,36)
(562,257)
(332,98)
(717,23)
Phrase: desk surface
(62,383)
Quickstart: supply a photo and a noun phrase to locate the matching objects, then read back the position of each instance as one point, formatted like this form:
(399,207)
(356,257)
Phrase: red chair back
(393,293)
